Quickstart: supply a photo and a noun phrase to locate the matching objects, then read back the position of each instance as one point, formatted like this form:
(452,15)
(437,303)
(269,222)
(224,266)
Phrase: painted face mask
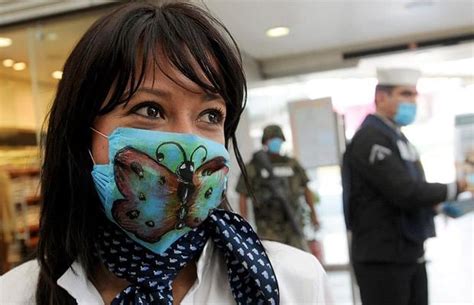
(157,185)
(274,145)
(406,113)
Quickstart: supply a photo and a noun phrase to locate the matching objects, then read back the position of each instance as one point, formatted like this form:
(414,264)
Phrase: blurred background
(293,51)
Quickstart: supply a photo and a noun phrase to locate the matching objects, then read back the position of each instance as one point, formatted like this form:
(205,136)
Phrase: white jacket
(301,279)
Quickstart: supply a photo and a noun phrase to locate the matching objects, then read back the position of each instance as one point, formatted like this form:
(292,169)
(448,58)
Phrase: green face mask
(159,185)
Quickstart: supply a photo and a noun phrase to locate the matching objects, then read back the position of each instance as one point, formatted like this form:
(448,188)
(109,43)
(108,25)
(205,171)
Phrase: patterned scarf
(251,276)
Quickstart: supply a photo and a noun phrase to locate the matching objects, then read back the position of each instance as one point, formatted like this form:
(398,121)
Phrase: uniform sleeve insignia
(378,153)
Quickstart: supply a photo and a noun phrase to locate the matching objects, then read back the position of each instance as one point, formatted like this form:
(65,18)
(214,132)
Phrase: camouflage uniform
(270,217)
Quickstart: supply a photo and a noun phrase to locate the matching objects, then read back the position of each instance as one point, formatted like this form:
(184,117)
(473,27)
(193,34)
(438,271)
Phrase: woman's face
(178,106)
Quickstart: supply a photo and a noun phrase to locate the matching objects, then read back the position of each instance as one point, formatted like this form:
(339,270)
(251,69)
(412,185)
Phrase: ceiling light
(8,62)
(278,31)
(19,66)
(57,74)
(5,42)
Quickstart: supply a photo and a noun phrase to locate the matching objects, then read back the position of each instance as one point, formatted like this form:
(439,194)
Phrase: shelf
(21,172)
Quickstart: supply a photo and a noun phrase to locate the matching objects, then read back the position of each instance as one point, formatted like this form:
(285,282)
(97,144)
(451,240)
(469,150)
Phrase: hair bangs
(130,58)
(203,50)
(190,41)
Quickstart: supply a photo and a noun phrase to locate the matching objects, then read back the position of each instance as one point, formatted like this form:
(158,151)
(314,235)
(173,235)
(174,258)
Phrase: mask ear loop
(92,158)
(105,136)
(100,133)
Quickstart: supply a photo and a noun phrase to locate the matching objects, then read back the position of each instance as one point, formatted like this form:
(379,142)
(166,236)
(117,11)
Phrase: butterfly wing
(149,207)
(210,182)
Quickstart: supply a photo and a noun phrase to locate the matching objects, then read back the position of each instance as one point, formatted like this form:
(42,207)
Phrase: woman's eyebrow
(164,94)
(154,91)
(208,96)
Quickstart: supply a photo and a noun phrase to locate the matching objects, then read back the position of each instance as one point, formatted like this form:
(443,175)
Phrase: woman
(134,175)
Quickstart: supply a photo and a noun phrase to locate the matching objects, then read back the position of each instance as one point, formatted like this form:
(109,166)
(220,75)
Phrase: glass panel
(16,102)
(30,67)
(50,44)
(19,158)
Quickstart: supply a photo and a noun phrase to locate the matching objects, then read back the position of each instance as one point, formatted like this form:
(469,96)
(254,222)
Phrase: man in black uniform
(388,205)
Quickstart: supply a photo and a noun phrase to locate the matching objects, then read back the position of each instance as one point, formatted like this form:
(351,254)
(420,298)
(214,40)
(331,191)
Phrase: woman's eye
(149,111)
(213,116)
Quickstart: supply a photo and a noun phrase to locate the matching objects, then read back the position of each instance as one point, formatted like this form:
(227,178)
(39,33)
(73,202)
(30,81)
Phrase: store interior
(29,73)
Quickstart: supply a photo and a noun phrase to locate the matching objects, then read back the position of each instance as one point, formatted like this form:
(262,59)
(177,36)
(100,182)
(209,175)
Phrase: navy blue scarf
(251,276)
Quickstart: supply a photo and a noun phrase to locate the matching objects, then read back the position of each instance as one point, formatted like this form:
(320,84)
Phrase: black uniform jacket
(388,203)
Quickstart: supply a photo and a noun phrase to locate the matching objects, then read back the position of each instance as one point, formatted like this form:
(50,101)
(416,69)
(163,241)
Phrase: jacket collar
(76,283)
(388,122)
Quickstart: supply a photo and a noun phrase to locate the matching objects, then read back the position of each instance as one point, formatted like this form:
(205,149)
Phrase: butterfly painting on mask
(158,200)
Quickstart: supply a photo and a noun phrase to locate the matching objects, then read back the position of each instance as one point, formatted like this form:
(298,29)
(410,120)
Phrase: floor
(450,265)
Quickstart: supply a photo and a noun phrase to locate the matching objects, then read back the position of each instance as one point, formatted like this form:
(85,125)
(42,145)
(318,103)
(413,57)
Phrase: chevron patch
(378,153)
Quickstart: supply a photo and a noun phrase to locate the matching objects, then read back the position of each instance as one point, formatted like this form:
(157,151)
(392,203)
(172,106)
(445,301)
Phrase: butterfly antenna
(199,147)
(171,143)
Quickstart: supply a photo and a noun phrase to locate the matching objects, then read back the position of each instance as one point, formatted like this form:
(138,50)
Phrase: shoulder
(368,136)
(251,165)
(18,286)
(301,278)
(292,261)
(368,132)
(284,159)
(294,162)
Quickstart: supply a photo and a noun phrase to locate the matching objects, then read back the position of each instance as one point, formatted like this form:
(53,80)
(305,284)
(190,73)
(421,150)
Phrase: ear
(381,98)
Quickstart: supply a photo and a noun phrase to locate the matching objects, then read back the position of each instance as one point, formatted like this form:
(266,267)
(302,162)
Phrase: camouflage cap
(272,131)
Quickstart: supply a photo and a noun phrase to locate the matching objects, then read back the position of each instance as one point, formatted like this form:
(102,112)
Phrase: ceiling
(43,45)
(440,62)
(21,11)
(330,24)
(320,31)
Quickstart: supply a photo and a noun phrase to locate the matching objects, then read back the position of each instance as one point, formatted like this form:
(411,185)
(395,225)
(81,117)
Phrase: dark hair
(109,60)
(384,88)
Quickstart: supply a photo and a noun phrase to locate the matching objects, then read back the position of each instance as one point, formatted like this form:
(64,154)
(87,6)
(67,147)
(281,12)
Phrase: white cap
(398,76)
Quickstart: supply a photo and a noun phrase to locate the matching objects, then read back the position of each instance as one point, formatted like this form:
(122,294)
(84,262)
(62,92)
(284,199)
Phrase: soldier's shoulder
(283,159)
(293,161)
(252,164)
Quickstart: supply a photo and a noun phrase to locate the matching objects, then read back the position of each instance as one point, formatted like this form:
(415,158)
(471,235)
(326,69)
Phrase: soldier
(388,204)
(278,182)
